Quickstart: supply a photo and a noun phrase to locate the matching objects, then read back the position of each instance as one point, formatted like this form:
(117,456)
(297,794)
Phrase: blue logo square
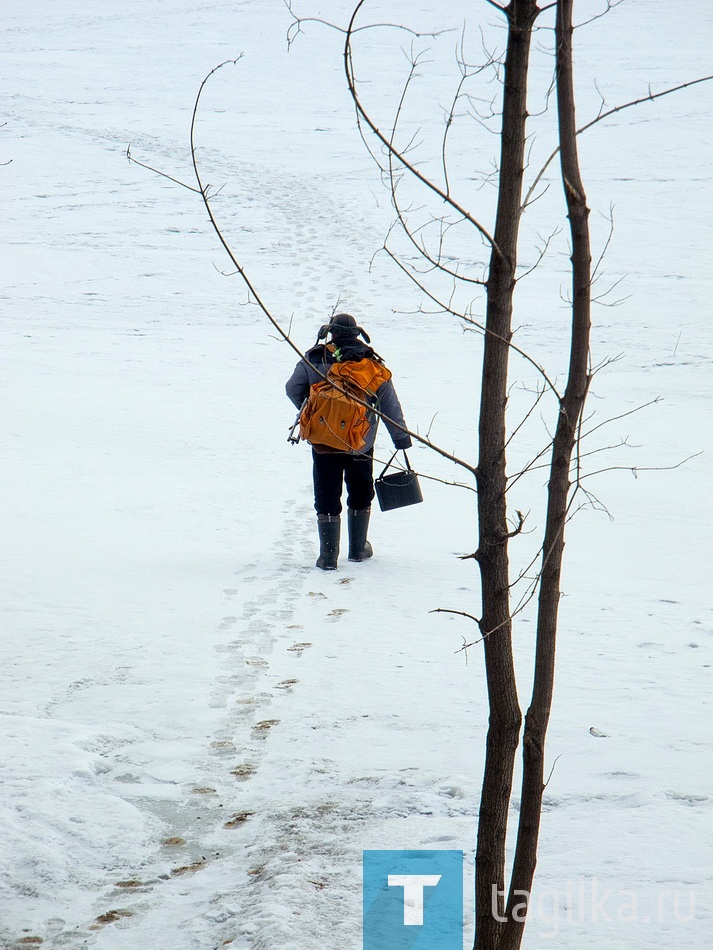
(413,900)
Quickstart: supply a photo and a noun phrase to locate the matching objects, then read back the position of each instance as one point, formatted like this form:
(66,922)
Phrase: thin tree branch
(635,469)
(409,166)
(295,27)
(240,269)
(474,323)
(157,171)
(460,613)
(605,115)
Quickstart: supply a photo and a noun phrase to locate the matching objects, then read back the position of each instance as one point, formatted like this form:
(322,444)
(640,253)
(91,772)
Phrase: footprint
(244,771)
(238,819)
(280,615)
(223,747)
(110,917)
(299,647)
(227,647)
(286,684)
(189,868)
(335,614)
(261,729)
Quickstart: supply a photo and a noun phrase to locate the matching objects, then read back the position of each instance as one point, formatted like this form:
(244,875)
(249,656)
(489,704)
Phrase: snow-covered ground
(200,731)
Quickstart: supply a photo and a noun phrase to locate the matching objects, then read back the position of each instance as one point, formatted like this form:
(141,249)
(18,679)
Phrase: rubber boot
(358,522)
(329,527)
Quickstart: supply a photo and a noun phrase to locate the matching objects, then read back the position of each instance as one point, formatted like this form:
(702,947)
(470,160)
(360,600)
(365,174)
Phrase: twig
(157,171)
(605,115)
(398,155)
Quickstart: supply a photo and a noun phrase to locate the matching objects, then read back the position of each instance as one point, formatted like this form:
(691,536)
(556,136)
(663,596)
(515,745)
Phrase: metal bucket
(398,489)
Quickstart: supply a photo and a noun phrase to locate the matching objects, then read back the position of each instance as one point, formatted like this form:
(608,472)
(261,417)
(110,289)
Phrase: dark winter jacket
(385,400)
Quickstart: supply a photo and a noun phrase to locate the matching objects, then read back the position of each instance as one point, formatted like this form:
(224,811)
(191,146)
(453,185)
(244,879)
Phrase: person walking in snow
(331,468)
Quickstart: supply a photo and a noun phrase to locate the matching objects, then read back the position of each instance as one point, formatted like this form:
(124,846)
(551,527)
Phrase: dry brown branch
(635,469)
(240,270)
(446,308)
(295,27)
(605,115)
(157,171)
(398,155)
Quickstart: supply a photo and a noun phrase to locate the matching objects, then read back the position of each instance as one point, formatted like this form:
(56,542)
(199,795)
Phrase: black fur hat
(343,328)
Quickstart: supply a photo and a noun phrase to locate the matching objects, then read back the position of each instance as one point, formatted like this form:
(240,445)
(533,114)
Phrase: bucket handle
(388,464)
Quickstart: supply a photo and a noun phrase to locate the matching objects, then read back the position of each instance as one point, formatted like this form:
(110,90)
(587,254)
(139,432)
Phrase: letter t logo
(413,900)
(413,885)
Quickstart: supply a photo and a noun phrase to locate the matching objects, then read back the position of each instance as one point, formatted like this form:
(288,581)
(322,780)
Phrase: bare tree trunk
(558,494)
(496,626)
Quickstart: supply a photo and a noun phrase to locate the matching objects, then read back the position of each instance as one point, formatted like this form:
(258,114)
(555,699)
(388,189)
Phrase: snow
(200,731)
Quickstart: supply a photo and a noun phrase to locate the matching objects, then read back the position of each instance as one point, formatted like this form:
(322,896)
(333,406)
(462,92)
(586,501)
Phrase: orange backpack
(331,417)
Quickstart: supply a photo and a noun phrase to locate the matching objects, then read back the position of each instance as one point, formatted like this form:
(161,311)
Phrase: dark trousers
(331,469)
